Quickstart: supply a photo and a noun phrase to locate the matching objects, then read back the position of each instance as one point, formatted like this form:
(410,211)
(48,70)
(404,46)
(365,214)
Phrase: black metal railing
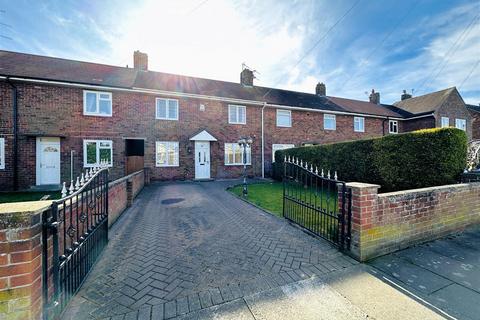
(317,202)
(75,231)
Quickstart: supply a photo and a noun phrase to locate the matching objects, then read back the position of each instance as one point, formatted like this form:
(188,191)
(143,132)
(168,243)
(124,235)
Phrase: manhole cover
(172,200)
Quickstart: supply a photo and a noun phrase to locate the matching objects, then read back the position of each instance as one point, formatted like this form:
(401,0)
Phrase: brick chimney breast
(374,97)
(140,60)
(246,77)
(405,95)
(321,89)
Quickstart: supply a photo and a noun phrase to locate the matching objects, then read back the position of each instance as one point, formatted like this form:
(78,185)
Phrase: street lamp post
(245,143)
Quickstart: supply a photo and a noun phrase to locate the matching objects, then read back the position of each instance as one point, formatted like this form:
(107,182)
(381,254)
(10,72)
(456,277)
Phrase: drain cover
(172,200)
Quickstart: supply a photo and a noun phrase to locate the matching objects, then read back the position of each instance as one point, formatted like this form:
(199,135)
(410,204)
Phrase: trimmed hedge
(412,160)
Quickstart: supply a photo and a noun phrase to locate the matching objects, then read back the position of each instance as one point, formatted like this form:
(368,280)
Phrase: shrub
(396,162)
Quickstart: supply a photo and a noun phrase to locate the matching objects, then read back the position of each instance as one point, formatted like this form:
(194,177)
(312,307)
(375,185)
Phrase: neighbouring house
(59,116)
(475,113)
(444,108)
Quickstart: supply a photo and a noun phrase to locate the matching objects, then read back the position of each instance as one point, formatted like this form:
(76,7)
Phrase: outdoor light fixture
(245,143)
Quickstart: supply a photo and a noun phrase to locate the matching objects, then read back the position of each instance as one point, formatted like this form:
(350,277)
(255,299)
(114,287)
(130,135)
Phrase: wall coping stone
(362,185)
(30,207)
(122,179)
(449,187)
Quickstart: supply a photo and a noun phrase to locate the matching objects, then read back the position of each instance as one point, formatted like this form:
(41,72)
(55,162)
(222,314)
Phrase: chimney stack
(374,97)
(140,60)
(321,89)
(405,95)
(246,77)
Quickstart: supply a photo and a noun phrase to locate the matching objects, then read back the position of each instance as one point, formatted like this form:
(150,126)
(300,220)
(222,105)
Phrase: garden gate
(75,230)
(317,202)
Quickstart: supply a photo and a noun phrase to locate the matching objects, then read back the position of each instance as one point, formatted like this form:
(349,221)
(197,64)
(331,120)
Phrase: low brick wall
(384,223)
(21,247)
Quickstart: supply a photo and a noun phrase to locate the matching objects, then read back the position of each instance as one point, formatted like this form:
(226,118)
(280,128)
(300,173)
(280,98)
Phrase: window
(445,122)
(393,126)
(167,109)
(234,154)
(166,154)
(96,152)
(276,147)
(237,114)
(461,124)
(96,103)
(2,153)
(359,124)
(329,122)
(284,118)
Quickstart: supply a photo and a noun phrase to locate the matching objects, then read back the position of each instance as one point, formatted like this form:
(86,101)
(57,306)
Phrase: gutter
(15,133)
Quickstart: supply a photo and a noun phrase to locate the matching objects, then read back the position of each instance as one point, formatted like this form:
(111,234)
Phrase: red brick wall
(58,111)
(416,124)
(475,125)
(138,182)
(384,223)
(454,108)
(117,196)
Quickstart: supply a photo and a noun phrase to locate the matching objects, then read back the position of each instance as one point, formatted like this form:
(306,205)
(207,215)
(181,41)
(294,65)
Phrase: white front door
(48,161)
(202,159)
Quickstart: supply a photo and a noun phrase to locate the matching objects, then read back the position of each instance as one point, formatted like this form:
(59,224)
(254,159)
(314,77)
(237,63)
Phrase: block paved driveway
(187,246)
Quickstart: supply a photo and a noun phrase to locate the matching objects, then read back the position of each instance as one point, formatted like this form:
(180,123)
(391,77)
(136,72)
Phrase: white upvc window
(393,126)
(2,153)
(234,154)
(96,152)
(284,118)
(359,124)
(166,154)
(461,124)
(96,103)
(329,122)
(237,114)
(445,122)
(278,146)
(166,109)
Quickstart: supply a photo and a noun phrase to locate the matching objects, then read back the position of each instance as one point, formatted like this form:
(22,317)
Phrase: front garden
(7,197)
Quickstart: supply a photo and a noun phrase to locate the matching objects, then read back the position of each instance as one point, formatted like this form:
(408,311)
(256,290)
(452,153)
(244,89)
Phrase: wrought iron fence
(317,201)
(75,230)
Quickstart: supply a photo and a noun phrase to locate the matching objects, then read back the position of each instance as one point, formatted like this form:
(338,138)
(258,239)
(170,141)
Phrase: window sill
(97,115)
(168,119)
(236,164)
(279,126)
(237,123)
(167,166)
(330,129)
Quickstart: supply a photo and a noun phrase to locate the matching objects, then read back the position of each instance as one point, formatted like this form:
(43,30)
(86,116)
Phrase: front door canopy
(203,136)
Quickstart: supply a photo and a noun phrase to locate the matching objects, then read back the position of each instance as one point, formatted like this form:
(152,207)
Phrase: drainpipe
(15,133)
(263,143)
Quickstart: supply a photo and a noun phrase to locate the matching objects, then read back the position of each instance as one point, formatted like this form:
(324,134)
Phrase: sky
(353,46)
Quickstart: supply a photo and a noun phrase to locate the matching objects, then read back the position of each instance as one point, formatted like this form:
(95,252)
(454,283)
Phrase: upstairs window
(166,154)
(461,124)
(445,122)
(96,152)
(393,126)
(2,153)
(284,118)
(234,154)
(359,124)
(166,109)
(276,147)
(329,122)
(96,103)
(237,114)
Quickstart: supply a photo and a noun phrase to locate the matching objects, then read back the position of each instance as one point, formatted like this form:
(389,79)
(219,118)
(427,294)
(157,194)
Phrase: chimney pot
(140,60)
(374,97)
(246,77)
(405,95)
(321,89)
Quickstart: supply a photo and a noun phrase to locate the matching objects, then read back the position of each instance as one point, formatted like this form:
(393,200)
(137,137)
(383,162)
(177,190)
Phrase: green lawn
(266,195)
(26,196)
(270,197)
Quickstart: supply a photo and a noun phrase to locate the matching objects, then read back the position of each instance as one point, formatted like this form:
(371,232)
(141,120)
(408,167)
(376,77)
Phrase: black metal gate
(317,201)
(75,231)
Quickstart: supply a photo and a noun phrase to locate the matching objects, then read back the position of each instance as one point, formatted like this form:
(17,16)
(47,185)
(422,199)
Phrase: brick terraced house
(475,112)
(60,116)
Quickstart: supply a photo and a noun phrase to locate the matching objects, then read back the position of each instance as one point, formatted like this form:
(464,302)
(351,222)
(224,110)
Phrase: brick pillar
(364,201)
(147,175)
(21,260)
(129,192)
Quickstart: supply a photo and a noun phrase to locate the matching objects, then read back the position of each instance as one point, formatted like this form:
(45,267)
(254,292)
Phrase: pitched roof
(23,65)
(426,103)
(473,107)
